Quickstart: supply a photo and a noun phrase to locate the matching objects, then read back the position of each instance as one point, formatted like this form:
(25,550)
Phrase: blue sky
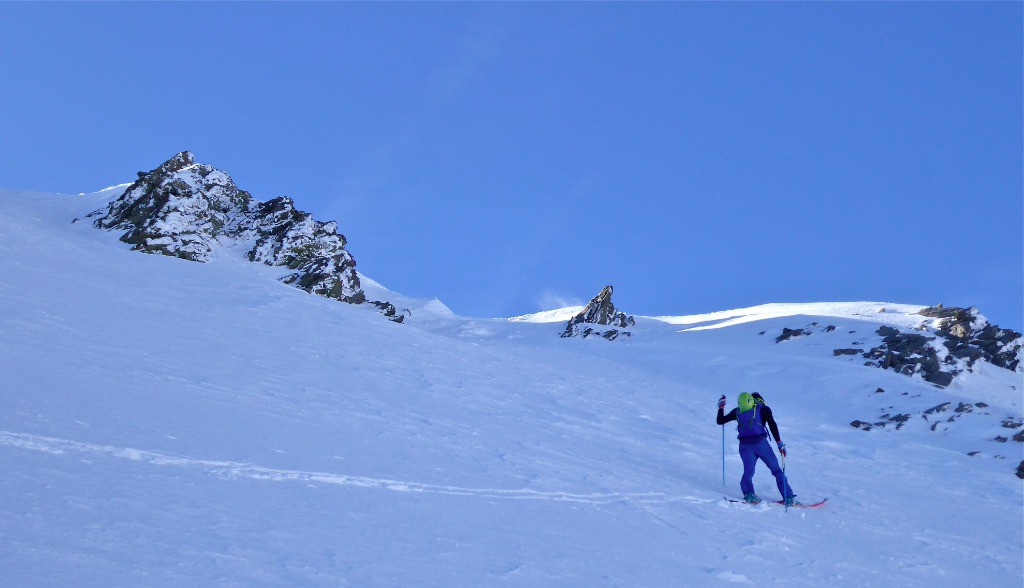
(512,157)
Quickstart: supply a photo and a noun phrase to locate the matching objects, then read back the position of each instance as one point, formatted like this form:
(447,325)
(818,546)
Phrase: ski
(801,504)
(780,503)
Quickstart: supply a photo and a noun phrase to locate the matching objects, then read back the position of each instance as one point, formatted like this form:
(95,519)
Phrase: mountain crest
(186,210)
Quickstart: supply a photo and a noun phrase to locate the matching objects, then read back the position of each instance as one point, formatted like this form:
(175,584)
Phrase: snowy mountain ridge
(186,209)
(169,423)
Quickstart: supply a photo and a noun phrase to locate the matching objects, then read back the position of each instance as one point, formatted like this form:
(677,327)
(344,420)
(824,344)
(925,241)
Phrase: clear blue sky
(506,157)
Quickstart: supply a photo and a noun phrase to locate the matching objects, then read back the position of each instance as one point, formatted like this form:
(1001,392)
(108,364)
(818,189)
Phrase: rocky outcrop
(187,209)
(316,251)
(788,334)
(969,337)
(897,420)
(962,337)
(599,311)
(909,354)
(938,350)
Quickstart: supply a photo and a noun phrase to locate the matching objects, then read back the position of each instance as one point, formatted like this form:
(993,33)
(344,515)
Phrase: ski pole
(721,408)
(785,484)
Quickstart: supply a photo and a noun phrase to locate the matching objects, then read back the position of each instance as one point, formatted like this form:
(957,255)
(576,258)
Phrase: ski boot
(751,498)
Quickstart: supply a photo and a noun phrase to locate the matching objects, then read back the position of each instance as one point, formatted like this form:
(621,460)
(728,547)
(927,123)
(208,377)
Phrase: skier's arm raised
(725,418)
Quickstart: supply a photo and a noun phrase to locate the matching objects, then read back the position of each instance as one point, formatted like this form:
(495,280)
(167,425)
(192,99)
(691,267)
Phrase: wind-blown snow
(558,315)
(168,423)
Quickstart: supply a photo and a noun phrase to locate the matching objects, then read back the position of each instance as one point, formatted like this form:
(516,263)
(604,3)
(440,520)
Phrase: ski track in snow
(234,470)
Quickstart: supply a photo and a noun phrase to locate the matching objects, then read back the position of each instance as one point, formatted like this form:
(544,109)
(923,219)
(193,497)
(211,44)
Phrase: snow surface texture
(168,423)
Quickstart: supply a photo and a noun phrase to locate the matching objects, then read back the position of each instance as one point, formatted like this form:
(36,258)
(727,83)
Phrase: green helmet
(746,402)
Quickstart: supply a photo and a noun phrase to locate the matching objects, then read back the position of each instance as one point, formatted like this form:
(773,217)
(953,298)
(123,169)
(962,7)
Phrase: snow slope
(168,423)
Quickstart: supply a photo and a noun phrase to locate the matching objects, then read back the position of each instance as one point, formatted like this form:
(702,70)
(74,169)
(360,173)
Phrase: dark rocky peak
(599,311)
(176,163)
(186,209)
(178,209)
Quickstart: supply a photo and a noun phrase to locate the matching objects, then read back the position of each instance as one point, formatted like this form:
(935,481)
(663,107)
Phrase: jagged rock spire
(599,311)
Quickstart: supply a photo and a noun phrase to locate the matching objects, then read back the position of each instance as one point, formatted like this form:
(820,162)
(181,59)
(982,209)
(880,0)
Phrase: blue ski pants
(750,453)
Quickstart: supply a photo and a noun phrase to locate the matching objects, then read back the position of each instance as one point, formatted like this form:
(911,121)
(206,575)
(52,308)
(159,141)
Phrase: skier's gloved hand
(782,448)
(721,402)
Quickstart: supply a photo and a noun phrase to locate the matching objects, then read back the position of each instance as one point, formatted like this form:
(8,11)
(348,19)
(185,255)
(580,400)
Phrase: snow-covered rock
(315,250)
(179,209)
(187,209)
